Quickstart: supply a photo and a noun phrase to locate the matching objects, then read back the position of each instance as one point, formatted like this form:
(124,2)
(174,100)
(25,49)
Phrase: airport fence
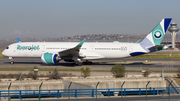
(87,92)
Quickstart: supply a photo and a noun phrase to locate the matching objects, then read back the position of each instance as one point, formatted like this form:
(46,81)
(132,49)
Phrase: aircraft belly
(92,55)
(106,54)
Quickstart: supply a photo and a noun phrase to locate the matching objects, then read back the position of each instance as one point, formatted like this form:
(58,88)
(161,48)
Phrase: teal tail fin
(157,34)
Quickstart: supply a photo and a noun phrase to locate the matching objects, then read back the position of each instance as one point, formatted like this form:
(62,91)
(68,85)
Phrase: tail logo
(157,34)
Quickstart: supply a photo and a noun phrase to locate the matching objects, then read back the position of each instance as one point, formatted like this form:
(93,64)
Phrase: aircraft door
(130,49)
(43,48)
(91,48)
(14,48)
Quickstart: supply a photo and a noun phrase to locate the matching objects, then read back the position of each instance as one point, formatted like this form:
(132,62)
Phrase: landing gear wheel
(73,64)
(90,63)
(12,62)
(79,64)
(87,62)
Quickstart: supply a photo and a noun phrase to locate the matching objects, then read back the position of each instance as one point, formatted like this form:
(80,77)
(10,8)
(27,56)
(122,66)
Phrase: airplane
(76,53)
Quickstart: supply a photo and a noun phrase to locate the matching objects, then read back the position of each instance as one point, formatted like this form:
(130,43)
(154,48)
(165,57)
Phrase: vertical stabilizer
(156,35)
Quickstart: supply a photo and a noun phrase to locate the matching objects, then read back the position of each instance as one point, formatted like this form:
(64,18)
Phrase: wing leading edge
(72,52)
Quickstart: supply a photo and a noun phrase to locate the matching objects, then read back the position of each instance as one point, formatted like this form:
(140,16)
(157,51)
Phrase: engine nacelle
(165,47)
(50,58)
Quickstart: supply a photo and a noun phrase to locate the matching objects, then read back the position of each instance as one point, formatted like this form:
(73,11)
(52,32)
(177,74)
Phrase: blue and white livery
(53,52)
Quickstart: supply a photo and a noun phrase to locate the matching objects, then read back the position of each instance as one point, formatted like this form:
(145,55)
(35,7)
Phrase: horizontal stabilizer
(159,47)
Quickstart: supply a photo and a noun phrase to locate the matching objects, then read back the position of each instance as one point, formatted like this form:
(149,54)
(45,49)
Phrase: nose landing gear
(12,60)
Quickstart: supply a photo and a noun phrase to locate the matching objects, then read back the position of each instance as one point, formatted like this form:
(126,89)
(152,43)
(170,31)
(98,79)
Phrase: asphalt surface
(104,64)
(137,98)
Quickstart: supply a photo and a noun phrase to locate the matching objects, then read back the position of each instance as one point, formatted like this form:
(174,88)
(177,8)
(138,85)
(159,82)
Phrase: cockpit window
(7,48)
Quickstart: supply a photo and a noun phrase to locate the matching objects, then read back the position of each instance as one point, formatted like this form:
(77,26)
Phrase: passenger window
(7,48)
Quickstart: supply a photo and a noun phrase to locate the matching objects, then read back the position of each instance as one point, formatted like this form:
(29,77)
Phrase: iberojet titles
(28,47)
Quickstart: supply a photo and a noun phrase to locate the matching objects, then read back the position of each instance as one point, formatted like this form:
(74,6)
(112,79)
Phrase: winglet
(81,43)
(18,40)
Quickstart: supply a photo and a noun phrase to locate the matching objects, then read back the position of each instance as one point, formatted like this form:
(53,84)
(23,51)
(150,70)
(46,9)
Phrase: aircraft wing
(72,51)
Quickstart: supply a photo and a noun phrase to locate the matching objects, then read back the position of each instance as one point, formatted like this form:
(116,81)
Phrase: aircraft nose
(3,53)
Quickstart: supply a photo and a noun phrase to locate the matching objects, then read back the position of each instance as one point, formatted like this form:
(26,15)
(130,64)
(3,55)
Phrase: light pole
(162,72)
(40,91)
(69,91)
(96,90)
(157,81)
(169,89)
(122,91)
(156,78)
(146,89)
(22,74)
(8,92)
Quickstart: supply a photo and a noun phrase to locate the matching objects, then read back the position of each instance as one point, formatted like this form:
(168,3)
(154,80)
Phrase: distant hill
(90,38)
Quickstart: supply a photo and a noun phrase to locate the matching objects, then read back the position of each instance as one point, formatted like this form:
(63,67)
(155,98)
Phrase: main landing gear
(82,63)
(77,63)
(87,62)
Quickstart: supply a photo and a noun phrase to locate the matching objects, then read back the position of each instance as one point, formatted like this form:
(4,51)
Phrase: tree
(147,72)
(55,75)
(85,72)
(118,70)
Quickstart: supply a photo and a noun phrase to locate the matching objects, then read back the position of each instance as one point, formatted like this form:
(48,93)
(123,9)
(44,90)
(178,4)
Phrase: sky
(66,18)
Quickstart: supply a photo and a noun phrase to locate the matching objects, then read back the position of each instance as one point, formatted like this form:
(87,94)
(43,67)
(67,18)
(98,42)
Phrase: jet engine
(50,58)
(165,47)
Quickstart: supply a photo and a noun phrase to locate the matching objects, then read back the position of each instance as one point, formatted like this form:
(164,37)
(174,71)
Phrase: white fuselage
(90,50)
